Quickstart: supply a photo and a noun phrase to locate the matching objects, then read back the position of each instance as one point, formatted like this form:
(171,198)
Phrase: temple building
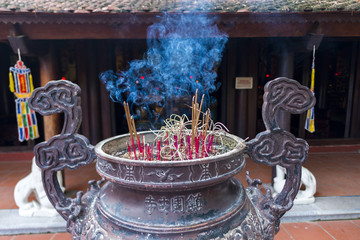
(267,39)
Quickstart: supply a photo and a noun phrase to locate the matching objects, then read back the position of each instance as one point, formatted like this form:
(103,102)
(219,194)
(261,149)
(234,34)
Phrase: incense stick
(127,114)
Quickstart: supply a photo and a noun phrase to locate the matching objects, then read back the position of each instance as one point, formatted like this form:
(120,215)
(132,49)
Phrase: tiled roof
(135,6)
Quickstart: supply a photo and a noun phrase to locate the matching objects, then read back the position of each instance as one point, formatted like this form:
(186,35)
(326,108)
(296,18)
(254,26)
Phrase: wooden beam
(139,31)
(84,31)
(39,26)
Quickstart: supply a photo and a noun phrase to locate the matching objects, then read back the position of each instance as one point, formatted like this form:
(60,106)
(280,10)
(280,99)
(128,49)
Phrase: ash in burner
(183,53)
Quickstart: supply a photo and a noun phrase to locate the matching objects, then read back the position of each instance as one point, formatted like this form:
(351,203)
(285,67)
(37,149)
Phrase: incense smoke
(183,53)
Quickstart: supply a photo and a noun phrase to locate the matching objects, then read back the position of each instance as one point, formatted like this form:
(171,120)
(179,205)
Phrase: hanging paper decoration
(21,84)
(310,116)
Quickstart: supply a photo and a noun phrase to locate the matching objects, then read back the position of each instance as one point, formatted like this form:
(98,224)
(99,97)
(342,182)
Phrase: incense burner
(190,199)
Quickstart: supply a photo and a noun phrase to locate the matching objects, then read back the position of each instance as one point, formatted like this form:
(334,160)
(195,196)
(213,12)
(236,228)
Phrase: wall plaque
(243,83)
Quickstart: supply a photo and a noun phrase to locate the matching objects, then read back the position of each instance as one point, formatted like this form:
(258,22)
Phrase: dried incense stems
(130,122)
(179,138)
(196,110)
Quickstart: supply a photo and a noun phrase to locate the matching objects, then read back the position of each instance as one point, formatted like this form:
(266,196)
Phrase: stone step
(324,208)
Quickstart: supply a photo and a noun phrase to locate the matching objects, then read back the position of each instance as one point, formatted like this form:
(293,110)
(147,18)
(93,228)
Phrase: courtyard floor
(337,171)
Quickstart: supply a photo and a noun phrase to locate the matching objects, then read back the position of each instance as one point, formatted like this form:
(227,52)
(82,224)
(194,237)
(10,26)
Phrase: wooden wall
(237,108)
(92,58)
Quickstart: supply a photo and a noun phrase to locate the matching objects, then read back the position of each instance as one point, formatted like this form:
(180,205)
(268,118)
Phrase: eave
(41,26)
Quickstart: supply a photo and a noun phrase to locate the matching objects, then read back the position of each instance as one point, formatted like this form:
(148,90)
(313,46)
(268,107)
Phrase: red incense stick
(176,142)
(197,147)
(210,144)
(139,146)
(159,150)
(129,149)
(189,147)
(133,146)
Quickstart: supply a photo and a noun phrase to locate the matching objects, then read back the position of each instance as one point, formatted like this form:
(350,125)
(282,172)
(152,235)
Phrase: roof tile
(48,9)
(77,6)
(81,11)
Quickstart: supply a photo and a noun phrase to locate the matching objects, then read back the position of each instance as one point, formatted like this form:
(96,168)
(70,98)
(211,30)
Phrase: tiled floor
(329,230)
(337,174)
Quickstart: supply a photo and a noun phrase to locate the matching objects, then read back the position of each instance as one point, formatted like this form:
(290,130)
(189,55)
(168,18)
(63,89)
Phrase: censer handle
(276,146)
(66,150)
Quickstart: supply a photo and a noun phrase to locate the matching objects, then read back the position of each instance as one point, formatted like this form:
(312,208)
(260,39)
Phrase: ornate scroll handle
(67,149)
(276,146)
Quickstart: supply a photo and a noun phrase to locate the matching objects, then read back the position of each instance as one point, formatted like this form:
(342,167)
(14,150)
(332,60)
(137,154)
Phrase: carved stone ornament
(193,199)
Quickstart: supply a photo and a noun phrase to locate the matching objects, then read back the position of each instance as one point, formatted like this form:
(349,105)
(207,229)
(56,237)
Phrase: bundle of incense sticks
(196,110)
(132,131)
(175,140)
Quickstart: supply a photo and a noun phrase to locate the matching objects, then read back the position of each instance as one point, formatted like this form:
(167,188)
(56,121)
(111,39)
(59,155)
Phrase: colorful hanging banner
(310,116)
(21,84)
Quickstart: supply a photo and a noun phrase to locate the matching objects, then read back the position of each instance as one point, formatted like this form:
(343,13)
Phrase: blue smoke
(183,53)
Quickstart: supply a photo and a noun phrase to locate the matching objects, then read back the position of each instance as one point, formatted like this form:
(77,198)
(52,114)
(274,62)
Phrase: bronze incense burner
(193,199)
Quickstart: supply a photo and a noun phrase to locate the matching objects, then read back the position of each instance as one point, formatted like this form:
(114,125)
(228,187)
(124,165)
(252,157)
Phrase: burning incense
(134,138)
(128,117)
(196,111)
(134,128)
(179,138)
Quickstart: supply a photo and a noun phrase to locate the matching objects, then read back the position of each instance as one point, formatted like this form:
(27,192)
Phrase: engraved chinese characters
(177,204)
(125,172)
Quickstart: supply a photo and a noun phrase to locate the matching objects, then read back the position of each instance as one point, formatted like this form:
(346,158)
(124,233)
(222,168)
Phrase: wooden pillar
(230,86)
(241,96)
(81,78)
(222,109)
(352,90)
(253,58)
(286,70)
(106,57)
(4,85)
(48,72)
(92,59)
(246,99)
(93,91)
(355,114)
